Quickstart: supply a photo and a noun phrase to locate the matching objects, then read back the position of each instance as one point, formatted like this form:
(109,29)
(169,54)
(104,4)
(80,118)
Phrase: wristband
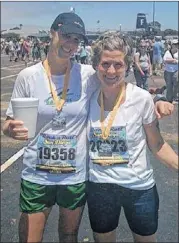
(160,97)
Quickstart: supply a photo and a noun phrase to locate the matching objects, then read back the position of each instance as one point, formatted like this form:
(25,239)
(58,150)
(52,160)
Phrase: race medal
(112,114)
(56,153)
(110,151)
(59,102)
(58,121)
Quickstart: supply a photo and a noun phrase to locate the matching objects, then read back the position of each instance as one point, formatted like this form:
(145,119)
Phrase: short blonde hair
(111,41)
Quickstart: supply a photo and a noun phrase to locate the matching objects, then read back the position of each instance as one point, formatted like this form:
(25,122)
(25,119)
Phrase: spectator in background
(2,45)
(11,50)
(171,72)
(21,47)
(142,68)
(169,45)
(83,54)
(26,50)
(36,51)
(150,51)
(46,47)
(158,52)
(7,47)
(77,54)
(134,46)
(89,53)
(17,50)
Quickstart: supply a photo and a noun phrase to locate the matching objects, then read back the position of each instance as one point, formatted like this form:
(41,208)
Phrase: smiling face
(65,45)
(111,68)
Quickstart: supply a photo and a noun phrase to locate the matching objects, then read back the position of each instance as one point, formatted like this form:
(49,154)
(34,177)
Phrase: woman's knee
(105,237)
(69,220)
(31,226)
(140,238)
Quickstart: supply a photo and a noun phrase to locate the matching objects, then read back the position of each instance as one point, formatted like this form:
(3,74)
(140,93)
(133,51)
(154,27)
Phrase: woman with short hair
(121,124)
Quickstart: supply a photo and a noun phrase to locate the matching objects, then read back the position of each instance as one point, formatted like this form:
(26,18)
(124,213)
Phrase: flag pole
(154,14)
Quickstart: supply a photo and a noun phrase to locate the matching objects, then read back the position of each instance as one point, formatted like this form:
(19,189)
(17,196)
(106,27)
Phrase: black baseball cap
(71,23)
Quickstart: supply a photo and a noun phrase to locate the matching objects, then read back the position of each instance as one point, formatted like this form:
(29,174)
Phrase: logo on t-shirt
(71,97)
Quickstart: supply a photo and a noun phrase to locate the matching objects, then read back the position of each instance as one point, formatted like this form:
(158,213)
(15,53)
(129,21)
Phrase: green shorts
(36,198)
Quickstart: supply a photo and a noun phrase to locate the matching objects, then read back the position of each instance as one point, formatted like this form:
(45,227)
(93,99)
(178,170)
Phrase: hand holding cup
(17,130)
(25,112)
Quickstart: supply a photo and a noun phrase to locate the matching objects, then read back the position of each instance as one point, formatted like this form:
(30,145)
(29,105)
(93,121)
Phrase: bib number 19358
(56,153)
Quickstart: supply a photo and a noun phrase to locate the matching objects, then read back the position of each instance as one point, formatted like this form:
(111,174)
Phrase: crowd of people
(34,49)
(24,49)
(154,58)
(96,127)
(150,57)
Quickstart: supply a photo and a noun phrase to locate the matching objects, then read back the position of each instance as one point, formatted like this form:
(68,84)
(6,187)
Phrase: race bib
(56,153)
(111,151)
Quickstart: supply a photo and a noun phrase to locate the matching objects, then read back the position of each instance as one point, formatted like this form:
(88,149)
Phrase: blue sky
(110,14)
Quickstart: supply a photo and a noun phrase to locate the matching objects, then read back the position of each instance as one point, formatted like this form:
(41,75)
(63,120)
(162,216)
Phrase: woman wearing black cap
(54,161)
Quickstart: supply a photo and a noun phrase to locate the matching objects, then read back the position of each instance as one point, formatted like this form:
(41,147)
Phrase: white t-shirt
(11,46)
(126,143)
(170,67)
(88,50)
(143,61)
(60,136)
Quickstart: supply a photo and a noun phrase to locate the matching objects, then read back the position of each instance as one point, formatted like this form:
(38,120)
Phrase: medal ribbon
(106,130)
(59,102)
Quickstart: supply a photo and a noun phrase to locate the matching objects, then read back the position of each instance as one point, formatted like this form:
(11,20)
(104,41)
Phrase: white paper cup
(26,110)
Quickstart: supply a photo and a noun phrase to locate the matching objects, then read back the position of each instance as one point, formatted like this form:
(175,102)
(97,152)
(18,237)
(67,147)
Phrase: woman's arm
(170,61)
(168,58)
(158,146)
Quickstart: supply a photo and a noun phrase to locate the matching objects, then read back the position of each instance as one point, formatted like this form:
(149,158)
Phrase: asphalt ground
(166,179)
